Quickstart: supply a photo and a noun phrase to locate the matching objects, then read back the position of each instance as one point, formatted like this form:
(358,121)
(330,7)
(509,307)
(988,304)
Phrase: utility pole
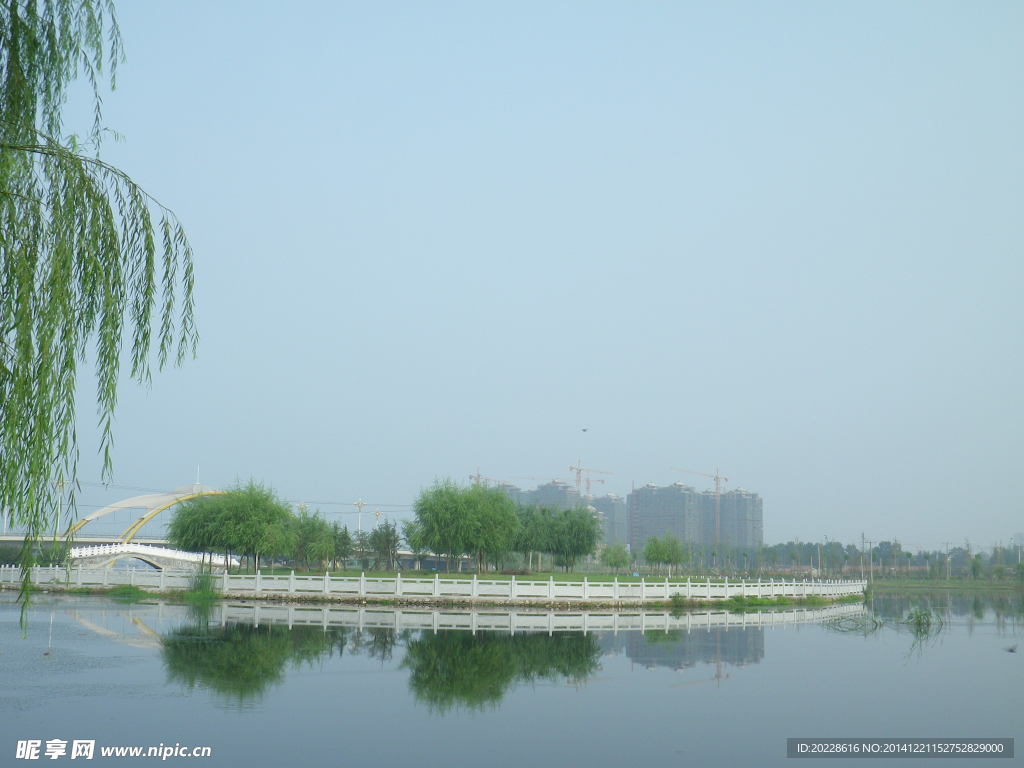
(871,561)
(359,506)
(862,556)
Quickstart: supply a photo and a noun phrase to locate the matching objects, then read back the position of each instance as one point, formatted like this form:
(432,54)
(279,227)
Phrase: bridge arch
(152,503)
(105,555)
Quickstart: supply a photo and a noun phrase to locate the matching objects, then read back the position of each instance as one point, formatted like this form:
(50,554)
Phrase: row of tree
(834,559)
(484,523)
(252,522)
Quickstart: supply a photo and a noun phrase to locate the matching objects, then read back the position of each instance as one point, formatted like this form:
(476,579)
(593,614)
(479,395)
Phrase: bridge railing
(145,550)
(474,588)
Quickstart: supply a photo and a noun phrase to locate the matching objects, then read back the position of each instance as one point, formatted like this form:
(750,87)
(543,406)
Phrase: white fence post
(643,589)
(291,582)
(327,582)
(398,584)
(362,583)
(258,581)
(615,589)
(437,586)
(585,595)
(551,587)
(224,584)
(512,587)
(473,592)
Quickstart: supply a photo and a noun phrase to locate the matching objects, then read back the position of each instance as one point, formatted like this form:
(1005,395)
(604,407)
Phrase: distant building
(689,516)
(556,494)
(736,646)
(611,510)
(512,491)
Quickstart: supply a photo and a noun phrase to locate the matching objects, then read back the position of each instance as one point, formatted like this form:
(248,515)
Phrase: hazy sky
(783,239)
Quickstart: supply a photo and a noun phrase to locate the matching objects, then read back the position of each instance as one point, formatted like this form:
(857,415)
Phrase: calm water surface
(146,674)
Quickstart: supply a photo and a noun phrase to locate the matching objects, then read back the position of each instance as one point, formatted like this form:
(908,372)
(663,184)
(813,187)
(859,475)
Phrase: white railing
(586,621)
(437,588)
(146,550)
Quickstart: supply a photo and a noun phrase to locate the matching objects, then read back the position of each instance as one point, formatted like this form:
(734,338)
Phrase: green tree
(87,259)
(453,521)
(198,526)
(443,520)
(384,541)
(492,524)
(615,557)
(977,567)
(313,540)
(361,549)
(575,535)
(249,520)
(413,536)
(667,551)
(343,544)
(534,534)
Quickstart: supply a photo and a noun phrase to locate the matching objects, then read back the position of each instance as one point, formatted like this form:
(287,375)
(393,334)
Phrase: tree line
(450,521)
(485,524)
(252,522)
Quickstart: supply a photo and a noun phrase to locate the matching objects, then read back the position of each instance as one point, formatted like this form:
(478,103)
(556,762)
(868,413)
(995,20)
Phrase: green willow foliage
(87,258)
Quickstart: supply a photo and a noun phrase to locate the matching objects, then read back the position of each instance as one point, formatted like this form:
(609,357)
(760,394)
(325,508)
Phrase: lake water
(143,674)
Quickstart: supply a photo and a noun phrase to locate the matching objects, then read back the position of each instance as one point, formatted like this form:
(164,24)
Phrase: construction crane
(719,479)
(718,676)
(479,479)
(579,469)
(488,482)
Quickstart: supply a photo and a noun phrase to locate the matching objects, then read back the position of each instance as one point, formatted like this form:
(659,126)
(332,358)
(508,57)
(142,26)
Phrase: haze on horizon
(784,240)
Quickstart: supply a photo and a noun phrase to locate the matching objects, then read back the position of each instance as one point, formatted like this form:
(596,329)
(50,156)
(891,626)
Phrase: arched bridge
(159,557)
(152,505)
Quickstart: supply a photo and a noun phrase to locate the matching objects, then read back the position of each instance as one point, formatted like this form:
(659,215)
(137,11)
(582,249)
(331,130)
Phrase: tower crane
(719,479)
(580,470)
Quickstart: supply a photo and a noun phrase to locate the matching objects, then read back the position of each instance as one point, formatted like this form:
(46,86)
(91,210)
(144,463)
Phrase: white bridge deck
(100,555)
(438,588)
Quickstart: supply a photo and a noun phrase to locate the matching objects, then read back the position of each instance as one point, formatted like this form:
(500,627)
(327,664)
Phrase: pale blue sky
(780,238)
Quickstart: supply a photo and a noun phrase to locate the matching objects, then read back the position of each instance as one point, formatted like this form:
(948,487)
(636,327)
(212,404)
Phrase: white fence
(513,622)
(438,588)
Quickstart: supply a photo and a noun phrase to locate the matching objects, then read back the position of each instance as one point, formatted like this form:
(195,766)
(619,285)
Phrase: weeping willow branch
(89,262)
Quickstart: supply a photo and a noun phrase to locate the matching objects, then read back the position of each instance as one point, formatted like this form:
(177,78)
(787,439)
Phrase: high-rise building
(654,512)
(611,510)
(689,516)
(556,494)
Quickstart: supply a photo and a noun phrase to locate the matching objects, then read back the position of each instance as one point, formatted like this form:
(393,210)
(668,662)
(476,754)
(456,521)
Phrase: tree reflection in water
(447,670)
(453,669)
(240,661)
